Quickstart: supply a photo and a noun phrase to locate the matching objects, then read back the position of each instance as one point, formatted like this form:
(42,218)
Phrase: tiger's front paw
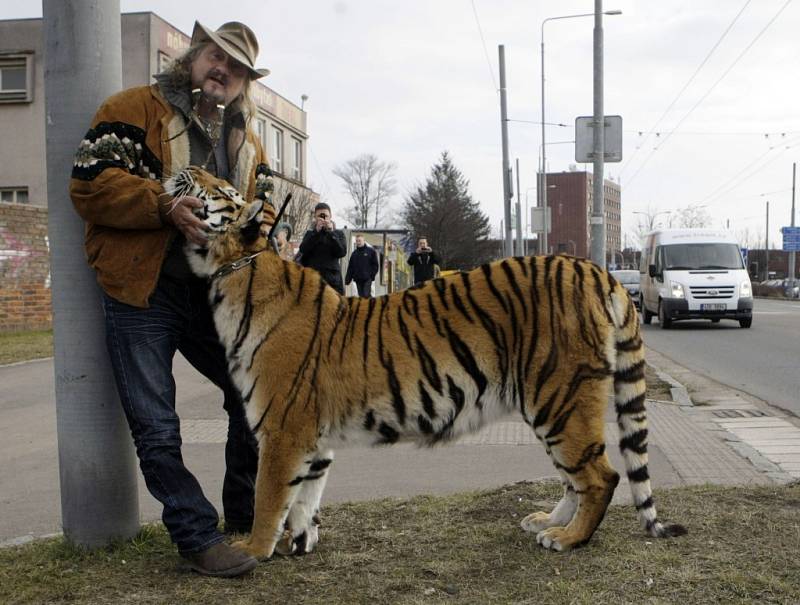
(536,522)
(555,538)
(256,551)
(300,544)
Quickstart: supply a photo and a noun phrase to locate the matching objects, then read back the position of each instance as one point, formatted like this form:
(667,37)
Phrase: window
(14,195)
(277,150)
(261,131)
(297,166)
(16,78)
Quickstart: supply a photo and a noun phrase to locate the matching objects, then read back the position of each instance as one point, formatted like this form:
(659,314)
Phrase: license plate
(714,307)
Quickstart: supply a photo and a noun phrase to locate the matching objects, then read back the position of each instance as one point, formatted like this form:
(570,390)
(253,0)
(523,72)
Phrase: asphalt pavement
(688,445)
(762,360)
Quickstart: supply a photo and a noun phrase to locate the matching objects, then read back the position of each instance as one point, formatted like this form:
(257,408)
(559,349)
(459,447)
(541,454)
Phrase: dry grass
(743,547)
(24,346)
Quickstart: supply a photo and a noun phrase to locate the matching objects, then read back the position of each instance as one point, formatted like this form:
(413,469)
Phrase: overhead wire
(711,89)
(688,82)
(742,175)
(483,42)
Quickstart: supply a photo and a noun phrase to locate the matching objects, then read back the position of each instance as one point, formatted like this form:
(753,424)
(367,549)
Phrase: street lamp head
(613,12)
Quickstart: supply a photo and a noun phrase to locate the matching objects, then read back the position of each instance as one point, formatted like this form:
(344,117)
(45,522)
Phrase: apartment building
(569,197)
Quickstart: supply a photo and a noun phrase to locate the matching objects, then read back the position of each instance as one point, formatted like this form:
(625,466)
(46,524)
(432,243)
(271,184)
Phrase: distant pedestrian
(363,267)
(282,237)
(423,260)
(322,247)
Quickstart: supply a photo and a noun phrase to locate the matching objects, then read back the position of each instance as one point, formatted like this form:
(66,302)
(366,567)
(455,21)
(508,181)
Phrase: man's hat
(234,38)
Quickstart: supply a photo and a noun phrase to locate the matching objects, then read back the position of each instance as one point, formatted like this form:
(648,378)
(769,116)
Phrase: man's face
(423,243)
(359,240)
(322,213)
(221,77)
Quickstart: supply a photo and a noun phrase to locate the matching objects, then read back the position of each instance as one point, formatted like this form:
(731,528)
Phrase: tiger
(545,337)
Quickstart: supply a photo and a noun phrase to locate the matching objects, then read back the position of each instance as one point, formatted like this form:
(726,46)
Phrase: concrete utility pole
(83,66)
(508,249)
(519,250)
(598,228)
(792,255)
(766,245)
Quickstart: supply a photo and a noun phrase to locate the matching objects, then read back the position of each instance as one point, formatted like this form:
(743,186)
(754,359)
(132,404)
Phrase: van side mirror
(651,271)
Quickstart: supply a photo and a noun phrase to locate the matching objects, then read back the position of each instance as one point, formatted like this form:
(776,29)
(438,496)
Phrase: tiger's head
(235,227)
(221,201)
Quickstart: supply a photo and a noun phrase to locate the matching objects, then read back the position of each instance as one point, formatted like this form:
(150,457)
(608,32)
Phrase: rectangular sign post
(584,133)
(791,239)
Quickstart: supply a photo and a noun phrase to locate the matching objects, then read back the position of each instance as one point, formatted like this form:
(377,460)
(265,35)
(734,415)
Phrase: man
(196,113)
(423,261)
(362,267)
(322,247)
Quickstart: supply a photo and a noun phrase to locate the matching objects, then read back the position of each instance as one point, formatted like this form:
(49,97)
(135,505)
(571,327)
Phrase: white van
(694,274)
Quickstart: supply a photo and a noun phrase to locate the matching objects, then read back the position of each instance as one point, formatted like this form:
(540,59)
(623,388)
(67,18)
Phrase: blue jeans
(142,344)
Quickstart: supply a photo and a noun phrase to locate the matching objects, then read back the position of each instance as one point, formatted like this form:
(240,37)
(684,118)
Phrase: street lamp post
(651,218)
(544,157)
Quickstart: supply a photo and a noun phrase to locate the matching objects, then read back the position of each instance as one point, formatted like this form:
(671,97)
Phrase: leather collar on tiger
(543,337)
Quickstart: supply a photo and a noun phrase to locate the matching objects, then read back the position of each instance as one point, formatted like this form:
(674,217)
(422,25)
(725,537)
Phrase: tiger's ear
(250,222)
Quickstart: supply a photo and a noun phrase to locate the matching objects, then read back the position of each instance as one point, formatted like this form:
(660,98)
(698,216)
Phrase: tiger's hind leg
(575,440)
(302,524)
(559,516)
(281,466)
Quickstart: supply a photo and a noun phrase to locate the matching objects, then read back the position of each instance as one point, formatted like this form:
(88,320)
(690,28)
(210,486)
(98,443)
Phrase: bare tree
(691,216)
(647,221)
(370,184)
(301,207)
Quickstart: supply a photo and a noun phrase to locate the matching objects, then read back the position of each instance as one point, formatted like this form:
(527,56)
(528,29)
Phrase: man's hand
(322,224)
(181,216)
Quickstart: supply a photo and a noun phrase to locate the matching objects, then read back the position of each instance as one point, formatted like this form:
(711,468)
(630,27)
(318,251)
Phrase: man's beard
(219,78)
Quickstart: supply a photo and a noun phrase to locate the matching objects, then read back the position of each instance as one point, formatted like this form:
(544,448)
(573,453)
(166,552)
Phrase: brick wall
(24,268)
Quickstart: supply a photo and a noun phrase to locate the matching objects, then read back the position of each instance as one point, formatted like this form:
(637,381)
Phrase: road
(763,361)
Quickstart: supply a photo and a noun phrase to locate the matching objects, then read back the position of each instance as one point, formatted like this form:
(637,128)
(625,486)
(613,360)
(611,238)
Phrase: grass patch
(656,388)
(24,346)
(743,546)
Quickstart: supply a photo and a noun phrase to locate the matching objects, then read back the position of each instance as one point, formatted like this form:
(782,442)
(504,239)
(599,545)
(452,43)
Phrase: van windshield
(702,256)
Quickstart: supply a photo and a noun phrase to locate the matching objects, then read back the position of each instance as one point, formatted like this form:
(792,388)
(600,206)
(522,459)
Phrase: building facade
(149,44)
(569,197)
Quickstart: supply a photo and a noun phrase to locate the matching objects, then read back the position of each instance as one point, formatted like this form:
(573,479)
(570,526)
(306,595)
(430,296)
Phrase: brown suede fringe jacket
(118,174)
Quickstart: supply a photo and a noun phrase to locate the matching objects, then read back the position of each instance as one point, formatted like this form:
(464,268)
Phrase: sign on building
(584,139)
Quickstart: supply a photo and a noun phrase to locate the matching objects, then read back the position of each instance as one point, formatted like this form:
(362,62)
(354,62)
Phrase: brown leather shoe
(221,560)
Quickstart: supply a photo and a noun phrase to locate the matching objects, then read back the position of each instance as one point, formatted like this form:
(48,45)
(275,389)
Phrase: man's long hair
(180,70)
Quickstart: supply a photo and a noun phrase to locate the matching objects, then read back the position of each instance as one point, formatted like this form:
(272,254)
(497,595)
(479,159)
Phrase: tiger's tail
(629,397)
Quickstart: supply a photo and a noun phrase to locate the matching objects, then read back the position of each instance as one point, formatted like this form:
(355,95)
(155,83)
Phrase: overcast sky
(407,80)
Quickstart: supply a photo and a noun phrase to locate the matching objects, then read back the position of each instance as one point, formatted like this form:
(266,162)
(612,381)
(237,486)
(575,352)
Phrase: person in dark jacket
(322,247)
(423,261)
(363,267)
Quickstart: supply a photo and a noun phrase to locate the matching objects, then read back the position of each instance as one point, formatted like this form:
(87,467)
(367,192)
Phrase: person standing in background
(362,267)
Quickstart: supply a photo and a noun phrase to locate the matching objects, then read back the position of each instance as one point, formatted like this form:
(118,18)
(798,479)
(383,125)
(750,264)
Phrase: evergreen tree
(443,210)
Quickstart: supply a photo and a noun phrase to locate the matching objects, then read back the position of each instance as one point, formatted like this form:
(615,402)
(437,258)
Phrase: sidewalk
(721,442)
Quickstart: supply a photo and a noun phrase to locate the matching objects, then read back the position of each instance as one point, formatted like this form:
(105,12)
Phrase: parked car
(791,288)
(629,279)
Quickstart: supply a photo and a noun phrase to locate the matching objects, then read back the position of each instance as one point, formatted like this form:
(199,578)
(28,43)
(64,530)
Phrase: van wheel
(647,317)
(746,323)
(663,320)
